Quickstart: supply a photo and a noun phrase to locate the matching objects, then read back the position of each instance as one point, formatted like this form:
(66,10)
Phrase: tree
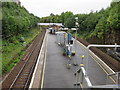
(16,20)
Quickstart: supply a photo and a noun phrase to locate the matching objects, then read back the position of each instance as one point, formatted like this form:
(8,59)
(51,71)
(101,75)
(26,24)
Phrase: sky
(42,8)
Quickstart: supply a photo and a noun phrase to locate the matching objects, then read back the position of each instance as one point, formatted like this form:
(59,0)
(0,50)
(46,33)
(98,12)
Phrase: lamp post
(76,25)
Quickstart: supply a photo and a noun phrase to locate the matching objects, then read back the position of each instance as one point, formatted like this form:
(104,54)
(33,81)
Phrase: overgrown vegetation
(16,20)
(13,51)
(103,25)
(19,27)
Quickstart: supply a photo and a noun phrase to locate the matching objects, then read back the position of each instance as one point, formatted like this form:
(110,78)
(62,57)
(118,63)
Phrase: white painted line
(103,62)
(33,76)
(43,74)
(103,69)
(82,44)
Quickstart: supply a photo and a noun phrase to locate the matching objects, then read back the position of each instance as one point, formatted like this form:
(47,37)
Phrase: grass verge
(13,49)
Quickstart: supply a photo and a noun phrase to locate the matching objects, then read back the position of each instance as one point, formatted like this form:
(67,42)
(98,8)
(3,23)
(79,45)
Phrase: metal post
(76,32)
(75,39)
(76,24)
(75,62)
(87,62)
(107,79)
(118,79)
(117,82)
(115,46)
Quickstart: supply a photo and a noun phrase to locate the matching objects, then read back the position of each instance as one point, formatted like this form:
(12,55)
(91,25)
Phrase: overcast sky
(44,8)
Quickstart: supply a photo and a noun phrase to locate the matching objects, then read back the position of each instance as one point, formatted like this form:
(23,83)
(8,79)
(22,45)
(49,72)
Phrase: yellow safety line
(43,75)
(103,69)
(100,66)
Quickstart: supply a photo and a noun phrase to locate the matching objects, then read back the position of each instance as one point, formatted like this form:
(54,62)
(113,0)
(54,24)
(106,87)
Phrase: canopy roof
(45,24)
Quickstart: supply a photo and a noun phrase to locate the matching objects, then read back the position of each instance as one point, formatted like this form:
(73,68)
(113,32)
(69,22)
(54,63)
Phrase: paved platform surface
(56,73)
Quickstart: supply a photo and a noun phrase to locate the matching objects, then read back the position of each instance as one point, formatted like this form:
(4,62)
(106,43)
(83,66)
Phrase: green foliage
(70,21)
(114,16)
(94,24)
(67,18)
(13,49)
(16,20)
(103,25)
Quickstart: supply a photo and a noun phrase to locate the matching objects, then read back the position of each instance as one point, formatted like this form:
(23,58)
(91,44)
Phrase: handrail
(84,80)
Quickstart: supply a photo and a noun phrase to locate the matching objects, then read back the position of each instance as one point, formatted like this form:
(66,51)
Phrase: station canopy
(46,24)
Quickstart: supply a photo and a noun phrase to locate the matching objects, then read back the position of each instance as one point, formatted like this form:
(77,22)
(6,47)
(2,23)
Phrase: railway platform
(55,73)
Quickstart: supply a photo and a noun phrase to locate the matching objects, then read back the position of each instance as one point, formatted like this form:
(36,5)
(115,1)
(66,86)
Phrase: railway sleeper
(26,71)
(22,80)
(18,86)
(23,83)
(25,74)
(24,77)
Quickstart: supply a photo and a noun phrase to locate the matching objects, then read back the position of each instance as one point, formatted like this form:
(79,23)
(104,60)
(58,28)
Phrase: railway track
(23,77)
